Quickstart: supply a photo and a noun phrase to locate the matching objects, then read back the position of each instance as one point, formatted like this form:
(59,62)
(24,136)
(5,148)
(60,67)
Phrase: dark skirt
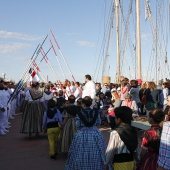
(69,131)
(32,118)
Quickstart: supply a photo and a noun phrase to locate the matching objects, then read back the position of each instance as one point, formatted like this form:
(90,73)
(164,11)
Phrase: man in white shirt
(89,88)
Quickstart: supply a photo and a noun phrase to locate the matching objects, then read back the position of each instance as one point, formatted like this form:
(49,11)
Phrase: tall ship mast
(135,41)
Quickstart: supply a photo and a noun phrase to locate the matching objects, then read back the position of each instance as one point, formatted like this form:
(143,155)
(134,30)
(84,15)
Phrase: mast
(138,38)
(117,41)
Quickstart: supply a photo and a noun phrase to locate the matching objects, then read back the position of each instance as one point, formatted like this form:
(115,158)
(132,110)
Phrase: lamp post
(4,74)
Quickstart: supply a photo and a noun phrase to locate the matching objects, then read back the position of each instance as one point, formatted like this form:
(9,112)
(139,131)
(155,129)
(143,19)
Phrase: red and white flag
(34,77)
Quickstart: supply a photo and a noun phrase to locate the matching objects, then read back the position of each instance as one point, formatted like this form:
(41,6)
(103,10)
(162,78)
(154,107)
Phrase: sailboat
(155,65)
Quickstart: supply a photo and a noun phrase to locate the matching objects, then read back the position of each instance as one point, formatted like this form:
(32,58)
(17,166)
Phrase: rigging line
(101,51)
(106,59)
(104,6)
(93,71)
(162,30)
(125,32)
(133,45)
(103,38)
(167,22)
(153,27)
(126,25)
(150,59)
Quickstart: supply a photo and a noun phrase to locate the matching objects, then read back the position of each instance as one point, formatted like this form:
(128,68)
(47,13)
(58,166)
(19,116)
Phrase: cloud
(86,43)
(14,35)
(12,47)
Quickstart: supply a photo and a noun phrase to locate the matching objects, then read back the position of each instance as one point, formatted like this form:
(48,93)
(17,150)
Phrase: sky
(79,27)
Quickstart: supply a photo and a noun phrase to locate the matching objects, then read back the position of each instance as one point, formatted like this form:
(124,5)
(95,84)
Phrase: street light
(4,74)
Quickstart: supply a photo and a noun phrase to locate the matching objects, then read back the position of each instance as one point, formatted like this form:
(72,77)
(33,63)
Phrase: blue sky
(78,27)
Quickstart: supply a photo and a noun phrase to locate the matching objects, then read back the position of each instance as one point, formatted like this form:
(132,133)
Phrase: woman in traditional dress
(69,125)
(123,141)
(151,142)
(87,151)
(33,111)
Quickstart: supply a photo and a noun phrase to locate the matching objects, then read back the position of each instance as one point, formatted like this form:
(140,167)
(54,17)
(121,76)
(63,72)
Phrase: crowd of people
(71,113)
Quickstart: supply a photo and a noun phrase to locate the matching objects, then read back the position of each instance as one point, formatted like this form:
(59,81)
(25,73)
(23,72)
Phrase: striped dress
(33,113)
(69,129)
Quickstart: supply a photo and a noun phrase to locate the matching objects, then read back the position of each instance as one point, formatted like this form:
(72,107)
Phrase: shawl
(35,94)
(88,113)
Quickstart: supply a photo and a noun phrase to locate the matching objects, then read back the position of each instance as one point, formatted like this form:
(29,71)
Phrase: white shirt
(77,93)
(68,91)
(89,89)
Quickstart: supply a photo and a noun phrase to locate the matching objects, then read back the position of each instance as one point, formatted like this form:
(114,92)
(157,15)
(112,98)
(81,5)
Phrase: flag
(34,77)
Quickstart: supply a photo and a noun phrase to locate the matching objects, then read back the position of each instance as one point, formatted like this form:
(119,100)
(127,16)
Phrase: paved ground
(18,152)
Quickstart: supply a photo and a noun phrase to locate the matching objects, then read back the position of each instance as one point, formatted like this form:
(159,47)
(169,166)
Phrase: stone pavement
(18,152)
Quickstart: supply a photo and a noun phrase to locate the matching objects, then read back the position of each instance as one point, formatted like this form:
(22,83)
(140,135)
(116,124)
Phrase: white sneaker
(2,133)
(6,131)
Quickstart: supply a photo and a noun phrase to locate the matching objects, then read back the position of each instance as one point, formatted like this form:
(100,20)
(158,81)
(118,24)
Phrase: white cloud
(14,35)
(12,47)
(86,43)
